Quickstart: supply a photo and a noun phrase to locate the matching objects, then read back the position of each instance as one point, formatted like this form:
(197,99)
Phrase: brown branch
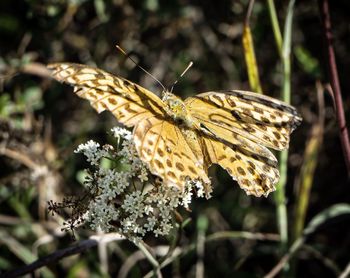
(346,272)
(23,158)
(58,255)
(285,259)
(242,235)
(332,67)
(249,12)
(72,250)
(325,260)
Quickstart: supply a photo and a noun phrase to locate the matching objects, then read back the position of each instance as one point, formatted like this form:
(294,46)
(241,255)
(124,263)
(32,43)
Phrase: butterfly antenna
(154,78)
(182,74)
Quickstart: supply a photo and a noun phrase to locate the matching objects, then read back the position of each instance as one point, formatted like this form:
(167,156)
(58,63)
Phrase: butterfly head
(174,103)
(175,107)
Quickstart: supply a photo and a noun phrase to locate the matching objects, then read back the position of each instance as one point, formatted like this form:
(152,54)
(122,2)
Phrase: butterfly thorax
(176,109)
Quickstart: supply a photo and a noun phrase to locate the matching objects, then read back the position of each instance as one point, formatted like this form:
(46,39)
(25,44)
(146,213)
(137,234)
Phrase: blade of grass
(100,8)
(346,272)
(224,235)
(307,62)
(318,220)
(305,179)
(304,185)
(21,252)
(202,226)
(249,53)
(250,59)
(275,26)
(284,50)
(280,199)
(329,263)
(156,266)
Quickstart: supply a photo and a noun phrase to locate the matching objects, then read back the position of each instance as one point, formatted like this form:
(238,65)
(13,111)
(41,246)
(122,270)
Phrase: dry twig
(328,37)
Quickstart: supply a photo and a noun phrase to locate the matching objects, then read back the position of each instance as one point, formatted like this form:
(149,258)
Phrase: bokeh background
(42,122)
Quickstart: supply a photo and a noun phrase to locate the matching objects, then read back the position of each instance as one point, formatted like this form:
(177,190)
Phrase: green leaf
(250,60)
(6,106)
(325,215)
(81,176)
(33,97)
(100,8)
(306,178)
(308,63)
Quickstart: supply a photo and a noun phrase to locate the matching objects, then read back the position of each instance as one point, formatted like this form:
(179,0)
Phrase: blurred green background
(42,122)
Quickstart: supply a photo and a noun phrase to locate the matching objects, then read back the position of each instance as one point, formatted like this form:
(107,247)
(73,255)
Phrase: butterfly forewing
(128,101)
(259,118)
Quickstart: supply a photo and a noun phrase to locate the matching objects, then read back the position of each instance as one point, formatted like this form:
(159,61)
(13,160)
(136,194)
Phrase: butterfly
(180,139)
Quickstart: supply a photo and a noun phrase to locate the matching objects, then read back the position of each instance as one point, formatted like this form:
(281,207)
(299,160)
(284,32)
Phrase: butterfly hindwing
(164,147)
(256,175)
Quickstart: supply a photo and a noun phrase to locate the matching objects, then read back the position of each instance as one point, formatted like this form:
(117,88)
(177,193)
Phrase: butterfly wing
(168,152)
(256,117)
(129,102)
(238,128)
(255,174)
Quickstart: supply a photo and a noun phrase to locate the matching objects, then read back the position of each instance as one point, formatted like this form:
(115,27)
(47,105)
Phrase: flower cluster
(127,198)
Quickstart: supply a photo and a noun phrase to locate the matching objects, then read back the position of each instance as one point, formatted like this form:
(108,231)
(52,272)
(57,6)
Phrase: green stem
(284,49)
(286,93)
(150,258)
(275,26)
(280,199)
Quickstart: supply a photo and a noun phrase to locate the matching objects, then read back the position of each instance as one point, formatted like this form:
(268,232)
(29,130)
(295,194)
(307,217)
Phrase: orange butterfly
(179,139)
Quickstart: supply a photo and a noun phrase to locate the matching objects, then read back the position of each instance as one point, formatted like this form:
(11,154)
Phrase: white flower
(127,225)
(120,132)
(148,209)
(186,196)
(139,230)
(128,152)
(100,214)
(123,195)
(112,183)
(143,175)
(92,151)
(133,204)
(200,188)
(166,227)
(163,229)
(151,222)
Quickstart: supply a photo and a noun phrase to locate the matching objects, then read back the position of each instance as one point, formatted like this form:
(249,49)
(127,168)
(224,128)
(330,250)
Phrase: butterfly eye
(179,121)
